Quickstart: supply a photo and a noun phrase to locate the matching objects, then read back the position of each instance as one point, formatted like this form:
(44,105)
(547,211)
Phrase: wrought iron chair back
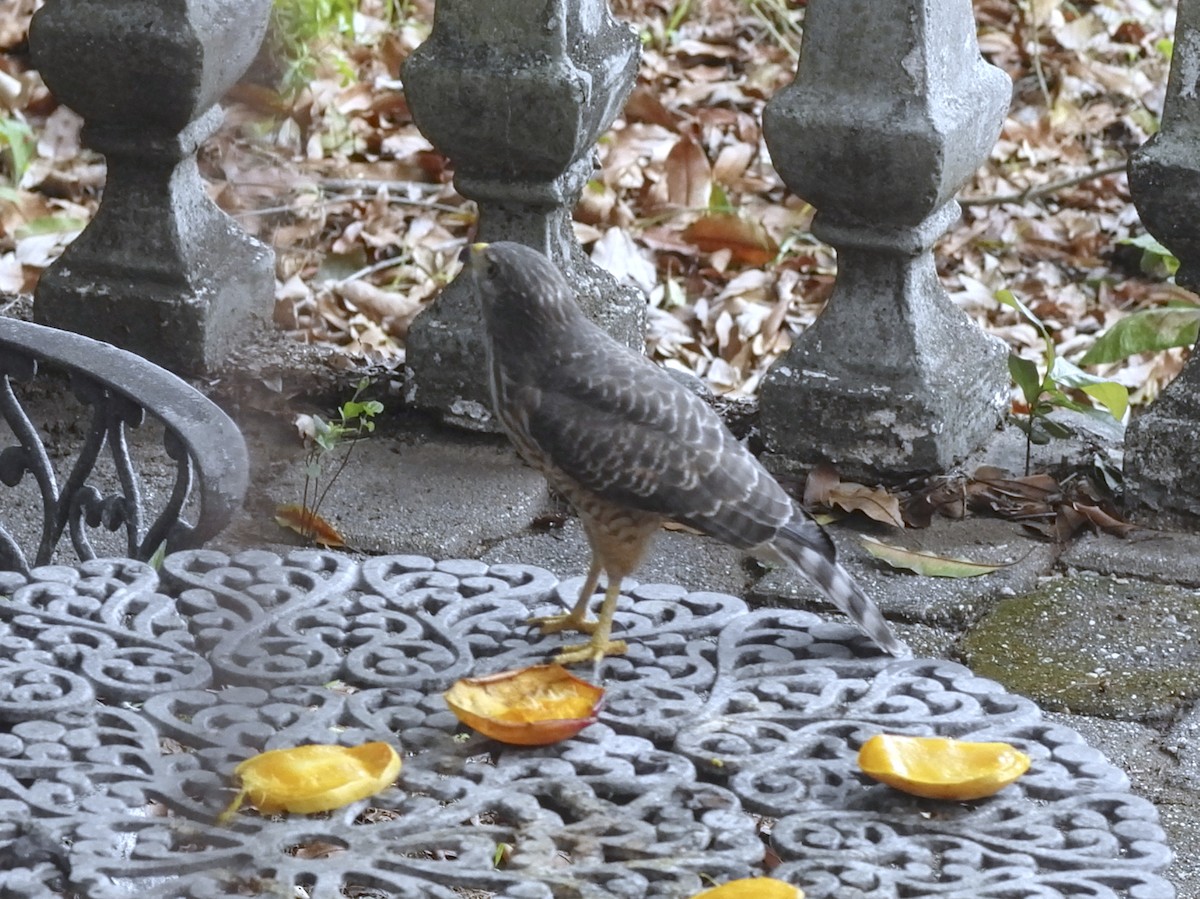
(205,446)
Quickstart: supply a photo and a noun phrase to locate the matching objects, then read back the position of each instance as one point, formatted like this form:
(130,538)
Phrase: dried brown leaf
(874,502)
(392,311)
(820,482)
(748,242)
(689,175)
(309,525)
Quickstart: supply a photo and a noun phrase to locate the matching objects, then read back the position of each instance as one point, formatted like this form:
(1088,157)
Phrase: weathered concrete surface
(400,495)
(159,270)
(1158,556)
(1095,645)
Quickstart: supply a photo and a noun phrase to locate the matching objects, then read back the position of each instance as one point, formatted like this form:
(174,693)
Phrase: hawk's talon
(594,652)
(568,621)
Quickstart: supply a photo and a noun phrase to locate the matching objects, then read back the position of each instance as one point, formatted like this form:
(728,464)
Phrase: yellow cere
(941,768)
(314,778)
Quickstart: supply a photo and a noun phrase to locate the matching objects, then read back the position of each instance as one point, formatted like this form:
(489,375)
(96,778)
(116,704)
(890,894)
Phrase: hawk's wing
(626,430)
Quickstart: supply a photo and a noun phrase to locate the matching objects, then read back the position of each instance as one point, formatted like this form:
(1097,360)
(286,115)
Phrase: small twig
(1036,192)
(373,184)
(345,458)
(1037,54)
(341,185)
(376,267)
(370,185)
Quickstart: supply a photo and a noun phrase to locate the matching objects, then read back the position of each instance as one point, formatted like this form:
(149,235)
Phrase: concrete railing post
(892,109)
(160,271)
(1162,445)
(516,92)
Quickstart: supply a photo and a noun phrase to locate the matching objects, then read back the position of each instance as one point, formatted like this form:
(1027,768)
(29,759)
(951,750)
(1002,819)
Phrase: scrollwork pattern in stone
(129,698)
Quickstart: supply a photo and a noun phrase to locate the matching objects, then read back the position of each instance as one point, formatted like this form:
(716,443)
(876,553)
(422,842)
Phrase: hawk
(630,447)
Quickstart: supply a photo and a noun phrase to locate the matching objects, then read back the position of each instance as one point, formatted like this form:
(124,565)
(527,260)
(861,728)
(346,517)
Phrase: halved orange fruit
(531,706)
(941,768)
(753,888)
(313,778)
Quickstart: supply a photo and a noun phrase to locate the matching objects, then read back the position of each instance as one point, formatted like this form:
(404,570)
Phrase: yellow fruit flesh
(753,888)
(941,768)
(314,777)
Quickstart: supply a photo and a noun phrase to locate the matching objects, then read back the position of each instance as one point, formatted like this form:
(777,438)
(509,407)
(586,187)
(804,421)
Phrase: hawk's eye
(493,269)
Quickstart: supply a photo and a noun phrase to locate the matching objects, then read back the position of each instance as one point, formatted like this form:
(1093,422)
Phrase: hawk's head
(521,293)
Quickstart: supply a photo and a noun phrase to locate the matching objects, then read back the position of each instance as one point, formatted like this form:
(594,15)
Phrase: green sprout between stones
(1044,388)
(355,420)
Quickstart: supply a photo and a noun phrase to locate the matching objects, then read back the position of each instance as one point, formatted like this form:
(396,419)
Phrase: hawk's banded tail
(806,547)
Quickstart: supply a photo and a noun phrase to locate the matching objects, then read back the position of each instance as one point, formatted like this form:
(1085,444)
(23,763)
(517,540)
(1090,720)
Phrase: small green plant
(1149,330)
(325,440)
(17,146)
(1044,388)
(306,33)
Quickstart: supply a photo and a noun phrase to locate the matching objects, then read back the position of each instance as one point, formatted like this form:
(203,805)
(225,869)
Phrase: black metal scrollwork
(120,389)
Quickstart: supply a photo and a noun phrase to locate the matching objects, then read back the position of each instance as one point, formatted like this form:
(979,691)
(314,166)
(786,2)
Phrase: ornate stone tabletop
(127,697)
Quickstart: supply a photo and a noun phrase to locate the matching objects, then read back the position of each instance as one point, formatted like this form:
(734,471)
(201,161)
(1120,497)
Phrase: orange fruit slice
(753,888)
(313,778)
(941,768)
(531,706)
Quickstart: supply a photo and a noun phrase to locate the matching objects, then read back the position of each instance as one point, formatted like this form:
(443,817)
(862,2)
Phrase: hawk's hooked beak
(477,251)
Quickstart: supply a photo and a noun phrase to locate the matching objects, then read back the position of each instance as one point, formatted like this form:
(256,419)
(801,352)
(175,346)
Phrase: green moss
(1095,646)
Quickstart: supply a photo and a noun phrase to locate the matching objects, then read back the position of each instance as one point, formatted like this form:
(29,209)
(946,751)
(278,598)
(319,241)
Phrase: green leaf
(1112,396)
(926,563)
(1148,331)
(51,224)
(1157,260)
(1009,299)
(1055,429)
(718,200)
(1025,376)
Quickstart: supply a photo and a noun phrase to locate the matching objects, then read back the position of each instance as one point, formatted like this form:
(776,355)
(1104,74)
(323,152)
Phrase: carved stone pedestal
(891,110)
(160,271)
(516,92)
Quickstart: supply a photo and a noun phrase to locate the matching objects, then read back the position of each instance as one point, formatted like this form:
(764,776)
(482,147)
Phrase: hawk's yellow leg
(600,645)
(576,620)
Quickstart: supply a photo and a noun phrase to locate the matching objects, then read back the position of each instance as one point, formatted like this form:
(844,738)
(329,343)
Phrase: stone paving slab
(1095,645)
(1159,556)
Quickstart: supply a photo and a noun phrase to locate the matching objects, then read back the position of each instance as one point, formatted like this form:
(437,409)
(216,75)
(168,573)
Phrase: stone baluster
(1162,445)
(515,93)
(160,270)
(891,110)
